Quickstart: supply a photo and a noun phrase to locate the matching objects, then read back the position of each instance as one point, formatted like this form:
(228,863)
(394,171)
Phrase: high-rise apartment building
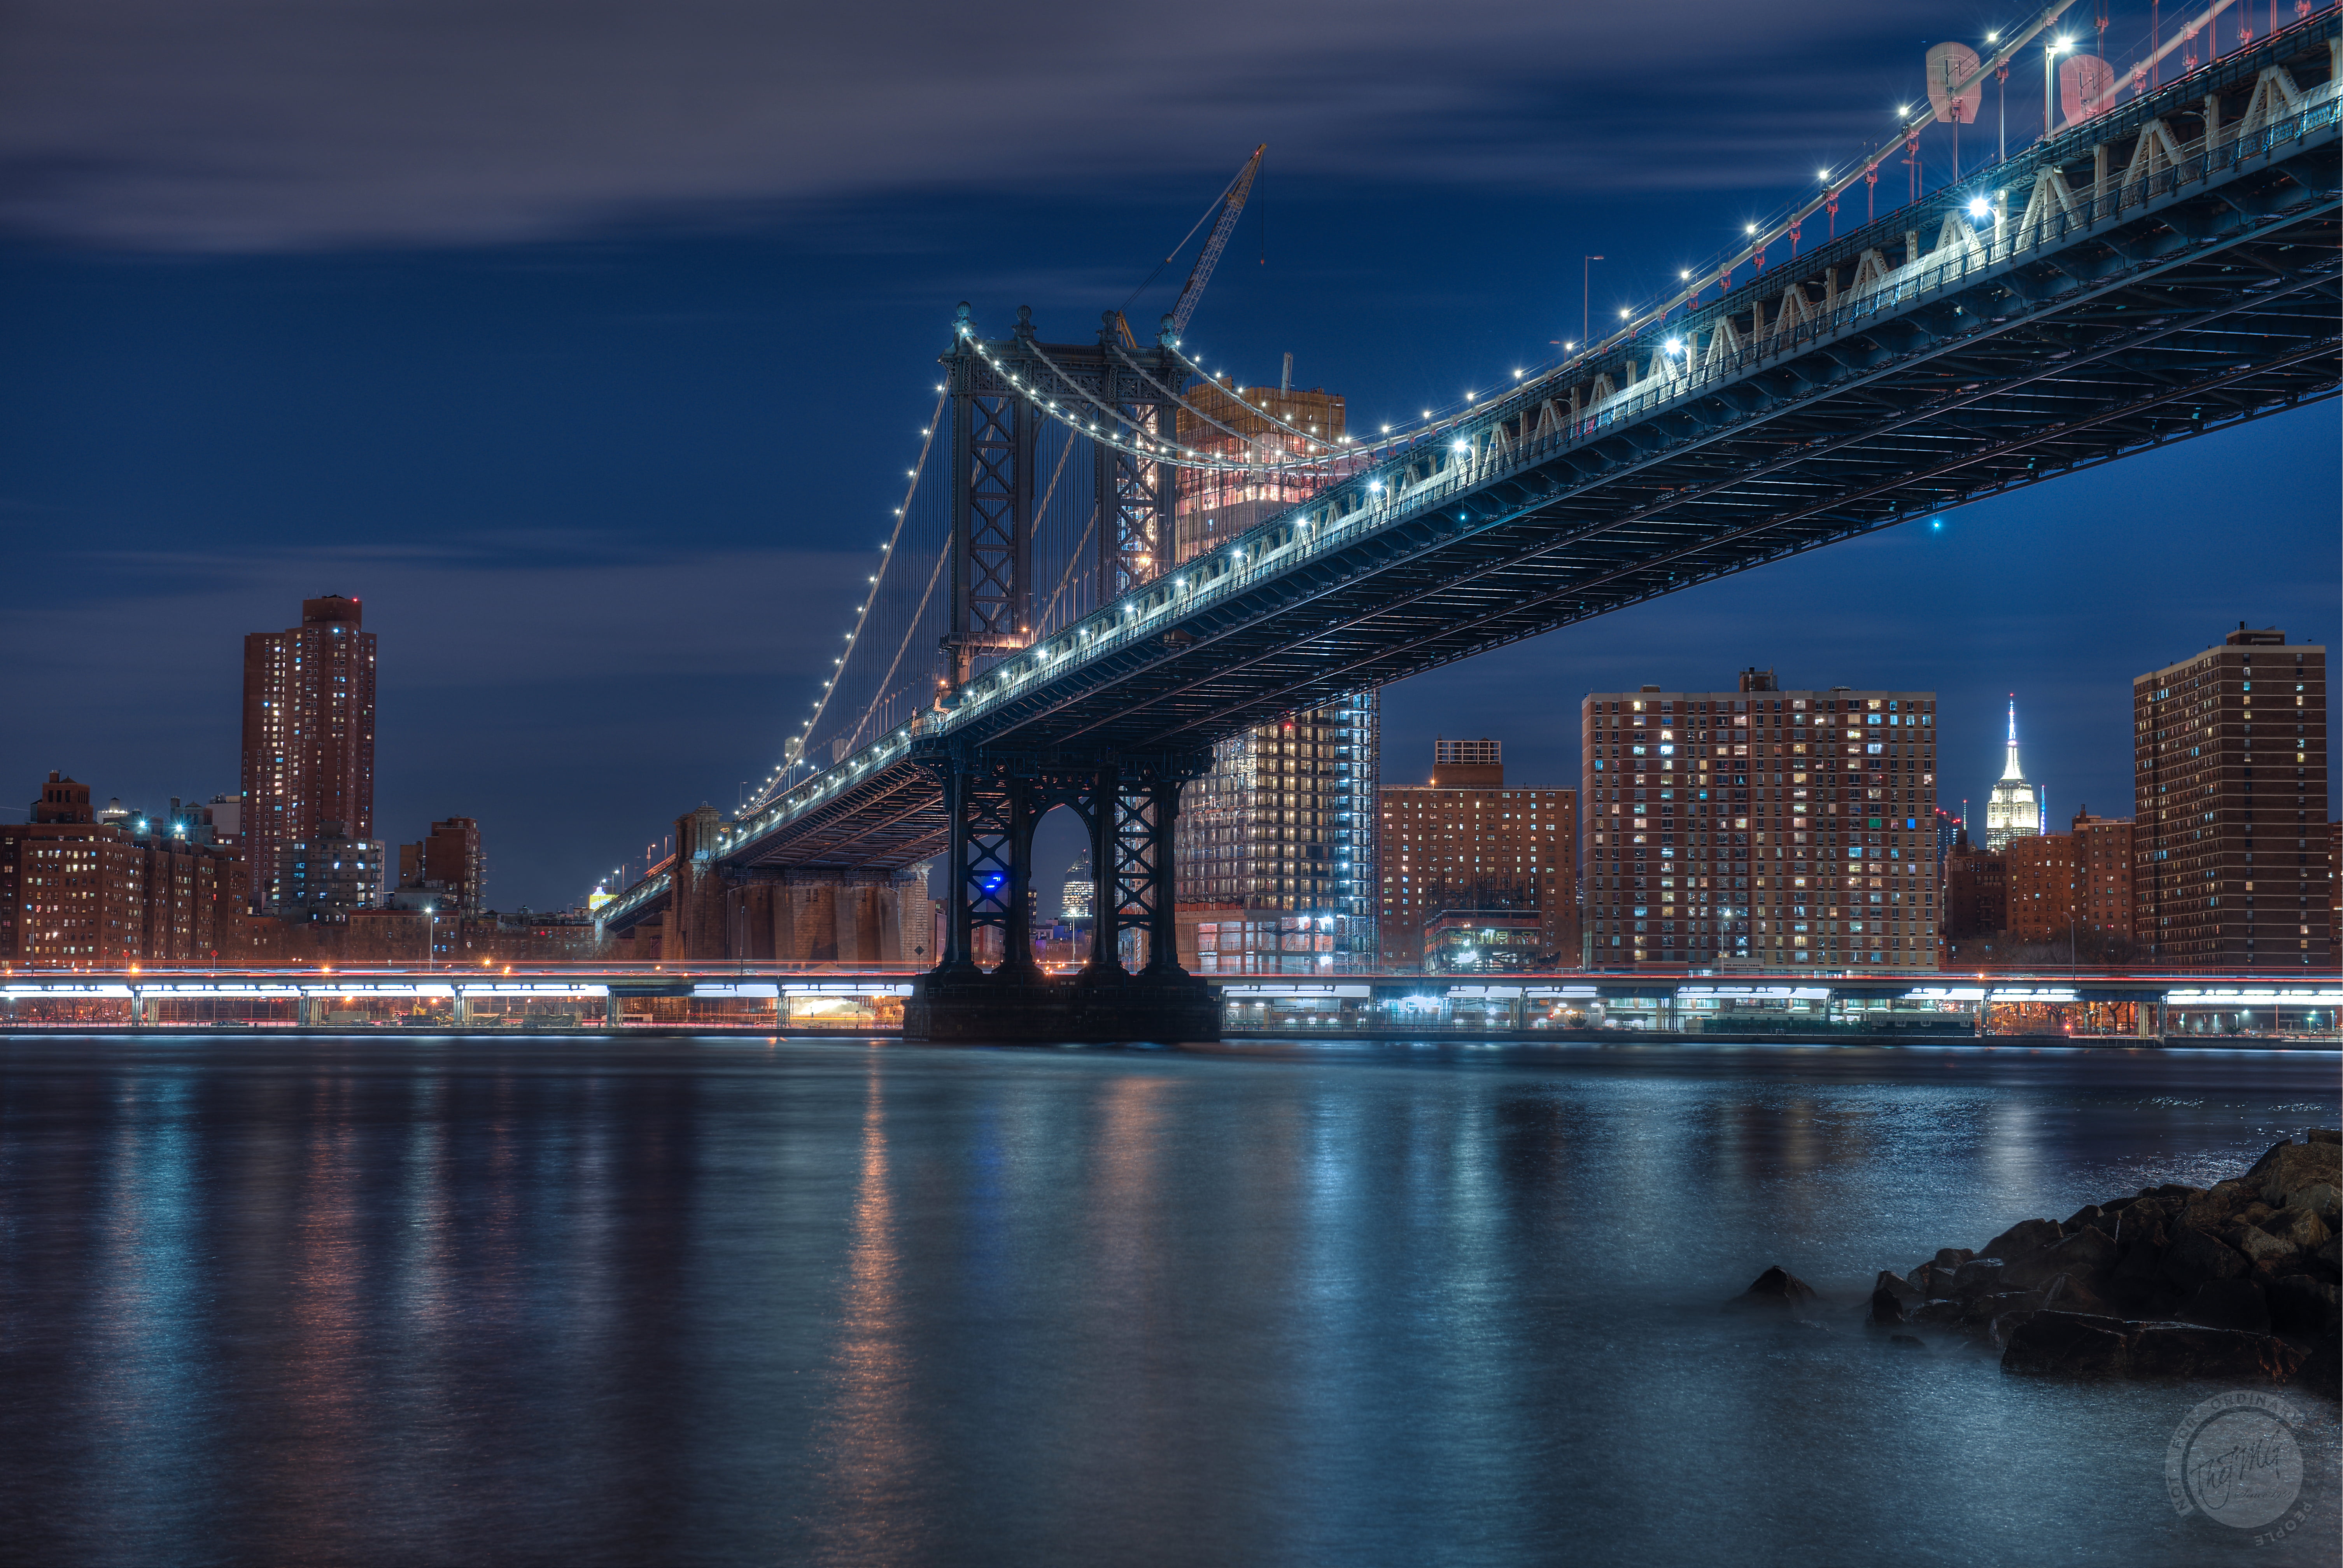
(2013,809)
(1760,828)
(308,737)
(1275,846)
(2230,779)
(1468,854)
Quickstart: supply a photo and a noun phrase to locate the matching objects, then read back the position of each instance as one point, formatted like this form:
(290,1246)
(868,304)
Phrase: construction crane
(1229,205)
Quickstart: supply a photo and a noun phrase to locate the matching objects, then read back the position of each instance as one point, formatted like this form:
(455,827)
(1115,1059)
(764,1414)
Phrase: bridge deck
(1925,360)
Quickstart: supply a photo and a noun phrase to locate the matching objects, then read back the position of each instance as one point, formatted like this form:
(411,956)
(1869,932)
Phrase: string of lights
(795,750)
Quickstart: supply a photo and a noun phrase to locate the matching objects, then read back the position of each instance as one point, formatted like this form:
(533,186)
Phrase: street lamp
(430,931)
(2050,53)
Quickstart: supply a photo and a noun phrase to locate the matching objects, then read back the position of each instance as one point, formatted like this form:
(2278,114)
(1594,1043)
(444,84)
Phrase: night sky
(587,343)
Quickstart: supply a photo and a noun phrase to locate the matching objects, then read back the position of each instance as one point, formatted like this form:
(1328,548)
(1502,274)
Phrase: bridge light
(1675,345)
(2062,46)
(1749,229)
(1980,208)
(1623,313)
(1903,109)
(1377,487)
(1993,37)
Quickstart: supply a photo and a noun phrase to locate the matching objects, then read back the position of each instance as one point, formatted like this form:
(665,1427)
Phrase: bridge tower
(994,799)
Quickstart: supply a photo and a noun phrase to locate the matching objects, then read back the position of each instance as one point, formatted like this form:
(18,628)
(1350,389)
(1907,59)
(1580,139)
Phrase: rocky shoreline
(2237,1280)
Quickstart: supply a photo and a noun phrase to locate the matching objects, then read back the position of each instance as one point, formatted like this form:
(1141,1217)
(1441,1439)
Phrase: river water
(452,1302)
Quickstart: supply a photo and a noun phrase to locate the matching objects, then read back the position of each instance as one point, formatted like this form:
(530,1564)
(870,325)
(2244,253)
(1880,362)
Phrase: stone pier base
(973,1008)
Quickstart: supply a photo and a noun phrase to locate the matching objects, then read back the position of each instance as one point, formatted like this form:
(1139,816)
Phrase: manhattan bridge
(2165,265)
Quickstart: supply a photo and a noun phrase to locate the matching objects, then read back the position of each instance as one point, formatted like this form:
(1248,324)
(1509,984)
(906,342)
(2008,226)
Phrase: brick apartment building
(2230,830)
(1468,852)
(1760,828)
(75,891)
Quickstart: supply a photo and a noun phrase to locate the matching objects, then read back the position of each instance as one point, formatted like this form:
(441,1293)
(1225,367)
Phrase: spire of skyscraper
(2014,810)
(2013,770)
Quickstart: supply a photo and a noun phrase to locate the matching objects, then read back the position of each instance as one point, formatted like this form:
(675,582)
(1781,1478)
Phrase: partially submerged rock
(2238,1281)
(1776,1287)
(2086,1345)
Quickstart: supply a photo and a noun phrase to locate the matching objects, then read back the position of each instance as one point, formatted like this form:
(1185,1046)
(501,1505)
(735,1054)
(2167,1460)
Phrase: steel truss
(992,474)
(993,802)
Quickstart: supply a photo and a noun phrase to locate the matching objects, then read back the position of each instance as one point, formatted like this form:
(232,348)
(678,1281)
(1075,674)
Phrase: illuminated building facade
(1275,848)
(1477,874)
(2013,809)
(2230,830)
(1267,425)
(308,737)
(78,891)
(1760,828)
(2104,897)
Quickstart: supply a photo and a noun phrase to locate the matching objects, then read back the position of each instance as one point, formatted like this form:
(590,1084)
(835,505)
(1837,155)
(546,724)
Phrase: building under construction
(1262,424)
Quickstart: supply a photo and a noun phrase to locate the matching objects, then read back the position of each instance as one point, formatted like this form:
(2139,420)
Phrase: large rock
(1952,1257)
(2022,1240)
(2209,1209)
(2067,1294)
(1931,1281)
(1980,1310)
(1777,1288)
(2300,1227)
(2088,1254)
(2097,1217)
(2289,1167)
(2261,1247)
(2321,1198)
(1892,1299)
(2082,1345)
(2228,1304)
(2324,1135)
(1979,1276)
(2195,1257)
(2068,1344)
(2303,1305)
(2185,1350)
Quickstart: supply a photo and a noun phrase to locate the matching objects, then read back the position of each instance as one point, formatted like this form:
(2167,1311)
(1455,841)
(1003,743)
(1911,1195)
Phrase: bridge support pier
(994,803)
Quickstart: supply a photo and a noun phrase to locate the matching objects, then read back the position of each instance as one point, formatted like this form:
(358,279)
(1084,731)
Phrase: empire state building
(2014,810)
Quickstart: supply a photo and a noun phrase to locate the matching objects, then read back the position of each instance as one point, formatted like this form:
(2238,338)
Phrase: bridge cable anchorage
(888,553)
